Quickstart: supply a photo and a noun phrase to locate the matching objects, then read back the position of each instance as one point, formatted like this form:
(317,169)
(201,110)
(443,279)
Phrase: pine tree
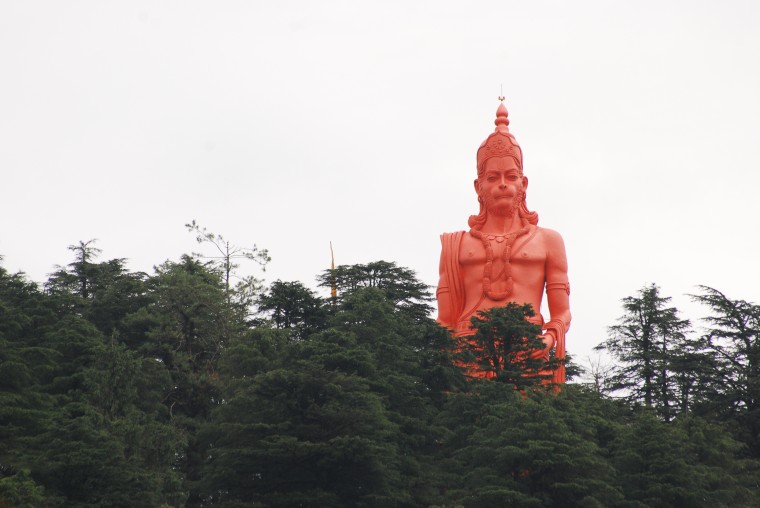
(507,347)
(27,365)
(224,261)
(645,342)
(400,285)
(187,328)
(293,306)
(103,293)
(733,339)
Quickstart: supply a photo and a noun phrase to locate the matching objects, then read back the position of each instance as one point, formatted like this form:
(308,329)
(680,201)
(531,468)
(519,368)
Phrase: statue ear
(477,186)
(525,182)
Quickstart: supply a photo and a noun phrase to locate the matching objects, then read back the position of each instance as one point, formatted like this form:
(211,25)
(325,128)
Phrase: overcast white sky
(291,124)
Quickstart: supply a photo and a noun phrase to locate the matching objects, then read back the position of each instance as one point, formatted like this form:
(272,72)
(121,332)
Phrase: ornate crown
(500,143)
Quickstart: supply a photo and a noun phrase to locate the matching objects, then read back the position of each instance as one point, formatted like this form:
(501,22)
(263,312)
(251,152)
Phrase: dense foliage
(181,389)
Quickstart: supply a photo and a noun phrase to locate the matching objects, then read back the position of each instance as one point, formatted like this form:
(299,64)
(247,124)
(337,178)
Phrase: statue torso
(527,261)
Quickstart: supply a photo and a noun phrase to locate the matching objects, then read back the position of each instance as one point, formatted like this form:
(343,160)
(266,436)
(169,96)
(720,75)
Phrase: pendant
(501,295)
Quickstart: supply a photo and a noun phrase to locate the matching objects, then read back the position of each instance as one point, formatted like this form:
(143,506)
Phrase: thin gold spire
(334,288)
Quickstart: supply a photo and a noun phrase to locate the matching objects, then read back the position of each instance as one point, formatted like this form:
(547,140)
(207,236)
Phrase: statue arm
(557,284)
(558,299)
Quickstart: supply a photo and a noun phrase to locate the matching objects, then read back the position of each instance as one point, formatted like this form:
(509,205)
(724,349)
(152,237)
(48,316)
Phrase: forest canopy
(185,388)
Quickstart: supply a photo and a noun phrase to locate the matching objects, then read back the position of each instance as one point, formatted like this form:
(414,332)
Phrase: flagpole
(334,288)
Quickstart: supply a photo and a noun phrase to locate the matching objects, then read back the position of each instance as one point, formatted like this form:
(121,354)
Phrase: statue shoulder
(455,234)
(556,258)
(552,239)
(452,240)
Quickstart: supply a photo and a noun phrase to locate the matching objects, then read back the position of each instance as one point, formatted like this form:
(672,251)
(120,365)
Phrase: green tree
(191,315)
(224,260)
(19,490)
(84,449)
(103,293)
(412,368)
(186,329)
(27,365)
(732,337)
(293,306)
(400,285)
(127,393)
(644,342)
(61,441)
(77,279)
(507,347)
(344,418)
(293,433)
(694,373)
(684,464)
(536,449)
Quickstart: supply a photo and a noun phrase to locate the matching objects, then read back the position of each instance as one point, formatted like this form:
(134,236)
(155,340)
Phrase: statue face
(501,186)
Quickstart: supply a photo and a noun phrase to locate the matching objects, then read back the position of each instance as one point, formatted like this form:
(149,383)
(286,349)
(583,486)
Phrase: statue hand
(549,339)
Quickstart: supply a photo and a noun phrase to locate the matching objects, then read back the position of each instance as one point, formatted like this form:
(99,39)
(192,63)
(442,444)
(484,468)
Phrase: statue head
(500,143)
(502,149)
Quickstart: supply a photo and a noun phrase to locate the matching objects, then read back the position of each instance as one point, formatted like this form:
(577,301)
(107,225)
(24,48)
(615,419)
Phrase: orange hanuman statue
(504,257)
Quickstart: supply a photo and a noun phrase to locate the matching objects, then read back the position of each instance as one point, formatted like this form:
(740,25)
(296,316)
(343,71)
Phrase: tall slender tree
(226,256)
(101,292)
(645,341)
(733,337)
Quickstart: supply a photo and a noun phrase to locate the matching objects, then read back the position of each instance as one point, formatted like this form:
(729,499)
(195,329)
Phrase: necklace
(506,274)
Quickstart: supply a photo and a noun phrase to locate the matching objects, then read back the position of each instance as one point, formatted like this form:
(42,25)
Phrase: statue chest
(502,271)
(525,252)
